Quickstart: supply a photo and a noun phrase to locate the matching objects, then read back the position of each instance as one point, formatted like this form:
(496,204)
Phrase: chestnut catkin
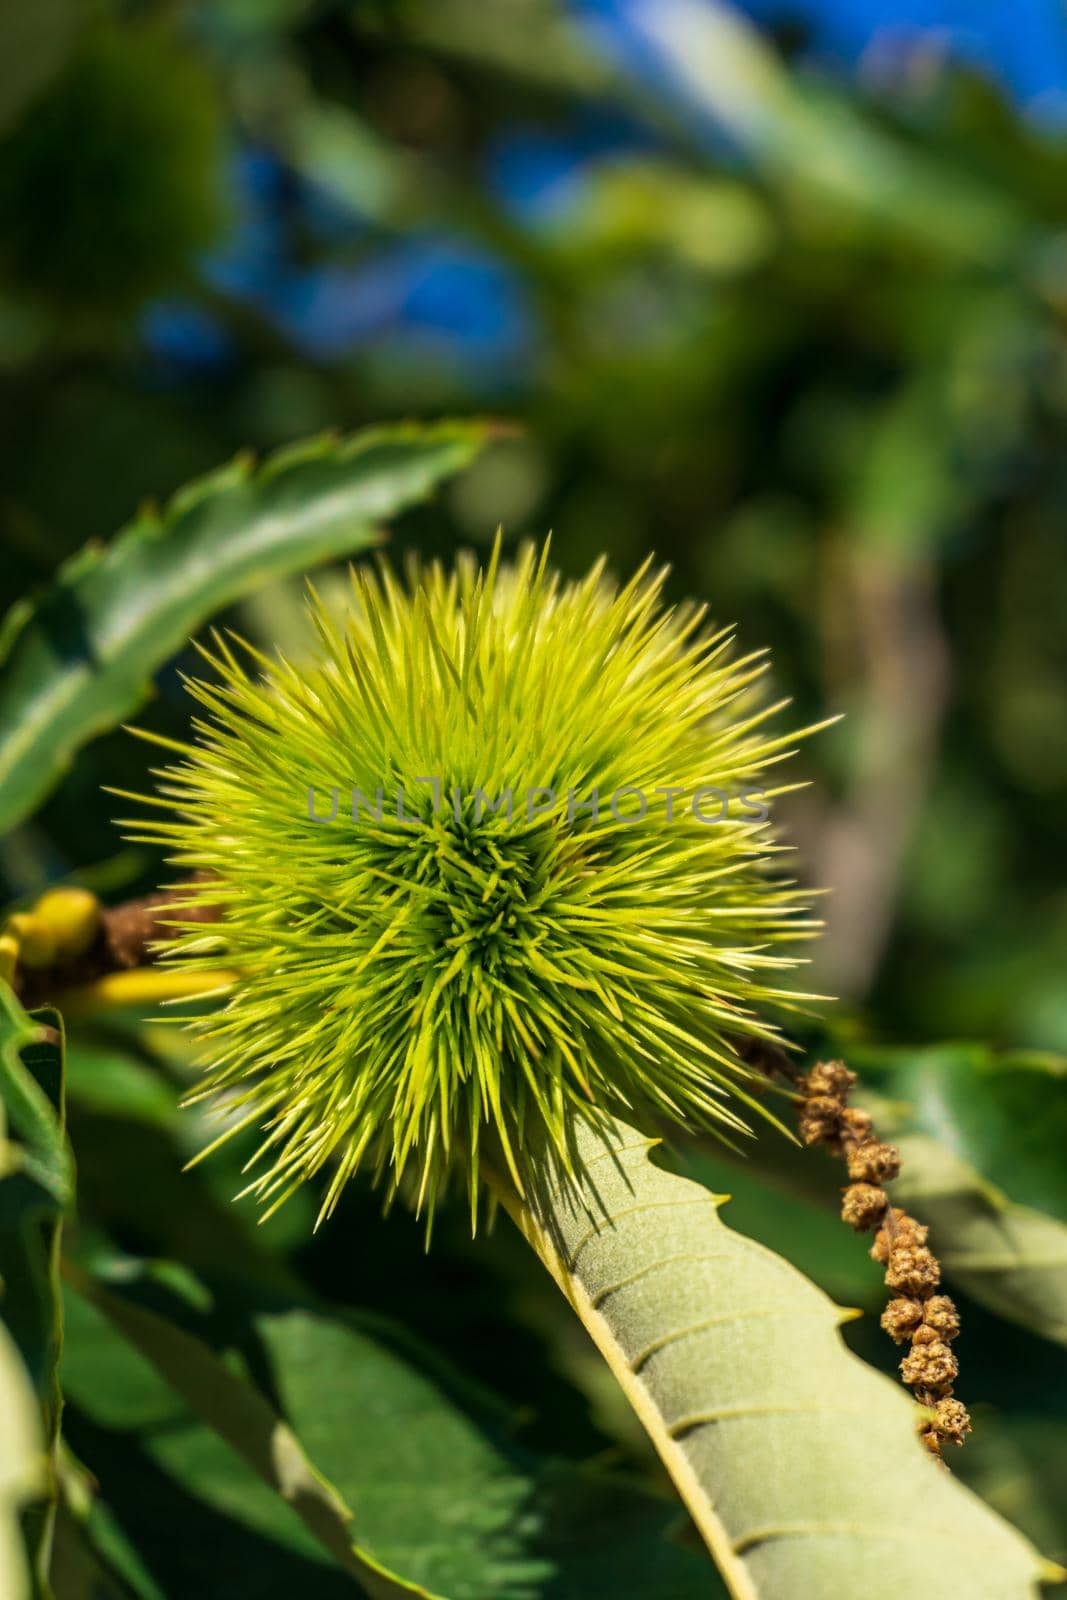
(916,1316)
(863,1205)
(873,1162)
(901,1317)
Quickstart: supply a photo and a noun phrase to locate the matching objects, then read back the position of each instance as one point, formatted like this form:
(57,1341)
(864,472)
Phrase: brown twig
(118,939)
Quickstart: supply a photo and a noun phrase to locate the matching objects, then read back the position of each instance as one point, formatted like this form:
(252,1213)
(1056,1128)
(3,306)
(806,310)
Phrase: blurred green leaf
(106,1078)
(23,1474)
(528,43)
(91,1557)
(766,1422)
(169,1506)
(631,207)
(110,1379)
(36,1185)
(80,659)
(440,1492)
(967,1120)
(35,42)
(240,1415)
(816,141)
(126,143)
(134,1143)
(907,488)
(443,1496)
(413,1465)
(174,1510)
(1008,1257)
(1018,1463)
(1005,1112)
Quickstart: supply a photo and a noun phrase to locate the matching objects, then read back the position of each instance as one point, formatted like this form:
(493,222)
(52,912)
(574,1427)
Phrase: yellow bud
(9,954)
(36,946)
(71,917)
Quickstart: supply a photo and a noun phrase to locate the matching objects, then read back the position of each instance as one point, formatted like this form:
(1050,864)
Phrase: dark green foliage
(36,1187)
(111,180)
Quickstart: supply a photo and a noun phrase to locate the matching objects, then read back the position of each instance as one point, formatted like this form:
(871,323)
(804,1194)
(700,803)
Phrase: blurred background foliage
(779,292)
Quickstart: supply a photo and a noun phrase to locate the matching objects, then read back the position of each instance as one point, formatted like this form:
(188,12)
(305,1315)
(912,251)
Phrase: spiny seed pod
(433,977)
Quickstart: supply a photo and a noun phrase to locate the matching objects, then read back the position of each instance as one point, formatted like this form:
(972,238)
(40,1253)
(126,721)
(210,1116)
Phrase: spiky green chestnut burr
(422,977)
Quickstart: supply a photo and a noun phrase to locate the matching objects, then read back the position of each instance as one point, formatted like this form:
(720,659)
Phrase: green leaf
(91,1557)
(240,1415)
(442,1495)
(36,1185)
(799,1464)
(582,1527)
(133,1143)
(961,1117)
(36,42)
(81,659)
(1008,1257)
(791,1221)
(23,1475)
(109,1079)
(176,1511)
(379,1430)
(168,1505)
(1018,1462)
(445,1503)
(820,145)
(1005,1113)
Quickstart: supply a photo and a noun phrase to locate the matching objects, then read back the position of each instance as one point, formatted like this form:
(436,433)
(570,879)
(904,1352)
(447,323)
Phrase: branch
(69,949)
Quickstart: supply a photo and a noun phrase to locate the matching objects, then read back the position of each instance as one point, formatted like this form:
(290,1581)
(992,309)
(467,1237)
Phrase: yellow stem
(140,986)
